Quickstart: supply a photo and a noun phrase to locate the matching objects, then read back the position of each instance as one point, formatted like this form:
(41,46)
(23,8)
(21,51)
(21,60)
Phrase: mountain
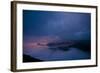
(27,58)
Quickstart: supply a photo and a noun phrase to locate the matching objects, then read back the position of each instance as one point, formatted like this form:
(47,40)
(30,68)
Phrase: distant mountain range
(84,45)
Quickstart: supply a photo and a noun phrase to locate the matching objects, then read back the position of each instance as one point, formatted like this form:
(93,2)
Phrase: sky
(51,26)
(51,23)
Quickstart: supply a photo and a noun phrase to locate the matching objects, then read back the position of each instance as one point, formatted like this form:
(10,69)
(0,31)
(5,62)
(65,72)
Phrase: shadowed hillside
(27,58)
(83,45)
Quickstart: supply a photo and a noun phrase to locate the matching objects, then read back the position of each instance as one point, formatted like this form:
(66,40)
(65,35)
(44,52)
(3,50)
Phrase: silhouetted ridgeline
(27,58)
